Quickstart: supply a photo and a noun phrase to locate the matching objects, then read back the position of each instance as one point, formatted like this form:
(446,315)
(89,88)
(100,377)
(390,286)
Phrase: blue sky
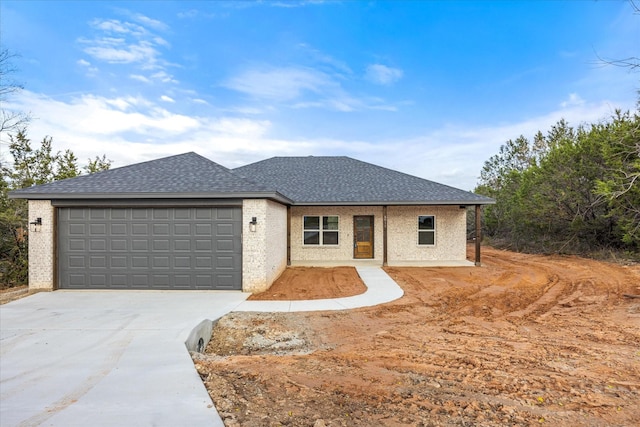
(428,88)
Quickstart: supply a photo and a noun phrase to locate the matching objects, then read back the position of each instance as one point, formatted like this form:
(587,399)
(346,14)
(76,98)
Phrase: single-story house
(185,222)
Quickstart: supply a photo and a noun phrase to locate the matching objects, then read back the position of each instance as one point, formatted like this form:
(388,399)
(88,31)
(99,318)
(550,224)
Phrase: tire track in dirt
(524,340)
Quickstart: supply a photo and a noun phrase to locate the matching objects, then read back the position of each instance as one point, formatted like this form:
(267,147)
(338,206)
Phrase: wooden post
(478,234)
(384,236)
(288,236)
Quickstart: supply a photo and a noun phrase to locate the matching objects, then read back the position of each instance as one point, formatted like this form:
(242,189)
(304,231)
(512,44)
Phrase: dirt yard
(303,283)
(524,340)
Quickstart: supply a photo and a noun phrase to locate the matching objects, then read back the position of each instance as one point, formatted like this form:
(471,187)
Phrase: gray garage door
(150,248)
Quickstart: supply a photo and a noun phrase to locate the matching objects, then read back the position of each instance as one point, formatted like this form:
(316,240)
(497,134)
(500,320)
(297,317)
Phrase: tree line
(27,166)
(30,166)
(571,190)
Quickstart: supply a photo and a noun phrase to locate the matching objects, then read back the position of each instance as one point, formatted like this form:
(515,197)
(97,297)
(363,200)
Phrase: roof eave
(272,195)
(399,203)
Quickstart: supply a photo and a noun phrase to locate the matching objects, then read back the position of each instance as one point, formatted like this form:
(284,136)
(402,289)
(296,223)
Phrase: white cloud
(573,100)
(83,63)
(301,87)
(279,84)
(140,78)
(166,98)
(129,43)
(150,22)
(133,129)
(383,75)
(118,51)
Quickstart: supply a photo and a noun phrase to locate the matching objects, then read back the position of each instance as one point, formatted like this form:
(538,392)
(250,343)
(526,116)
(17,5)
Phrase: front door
(363,236)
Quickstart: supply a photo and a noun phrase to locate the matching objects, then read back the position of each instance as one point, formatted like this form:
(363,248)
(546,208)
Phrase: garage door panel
(150,248)
(119,262)
(76,244)
(203,245)
(98,280)
(76,261)
(182,245)
(140,262)
(140,229)
(118,245)
(182,230)
(180,262)
(160,262)
(98,229)
(99,261)
(140,245)
(97,244)
(161,229)
(161,245)
(119,229)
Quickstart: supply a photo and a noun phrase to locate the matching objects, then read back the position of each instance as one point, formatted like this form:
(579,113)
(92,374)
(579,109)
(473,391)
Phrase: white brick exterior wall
(264,251)
(42,246)
(402,235)
(342,254)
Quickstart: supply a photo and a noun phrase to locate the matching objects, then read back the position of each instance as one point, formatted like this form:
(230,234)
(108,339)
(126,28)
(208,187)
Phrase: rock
(319,423)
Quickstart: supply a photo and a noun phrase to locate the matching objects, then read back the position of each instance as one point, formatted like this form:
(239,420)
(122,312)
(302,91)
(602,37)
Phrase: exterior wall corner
(42,246)
(264,248)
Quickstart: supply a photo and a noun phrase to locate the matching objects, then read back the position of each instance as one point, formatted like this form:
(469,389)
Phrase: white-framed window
(320,230)
(426,230)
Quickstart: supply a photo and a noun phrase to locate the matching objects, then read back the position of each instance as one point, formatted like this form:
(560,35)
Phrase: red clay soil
(524,340)
(304,283)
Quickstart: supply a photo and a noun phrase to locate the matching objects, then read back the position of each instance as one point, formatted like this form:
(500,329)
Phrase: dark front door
(363,236)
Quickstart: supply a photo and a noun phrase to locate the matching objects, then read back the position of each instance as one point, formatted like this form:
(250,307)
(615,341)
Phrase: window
(427,230)
(320,230)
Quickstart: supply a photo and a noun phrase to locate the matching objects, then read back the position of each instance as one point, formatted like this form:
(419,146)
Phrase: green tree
(621,185)
(98,164)
(31,166)
(570,190)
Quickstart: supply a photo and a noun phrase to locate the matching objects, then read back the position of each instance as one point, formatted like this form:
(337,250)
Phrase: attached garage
(150,248)
(185,222)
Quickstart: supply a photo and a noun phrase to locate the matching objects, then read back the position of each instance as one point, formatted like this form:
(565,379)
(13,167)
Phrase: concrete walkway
(380,289)
(118,358)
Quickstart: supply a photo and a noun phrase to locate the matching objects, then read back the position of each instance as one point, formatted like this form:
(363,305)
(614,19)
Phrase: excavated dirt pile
(523,340)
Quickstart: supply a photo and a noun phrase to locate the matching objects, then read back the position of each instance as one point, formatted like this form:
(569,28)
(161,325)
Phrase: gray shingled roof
(182,176)
(292,180)
(343,180)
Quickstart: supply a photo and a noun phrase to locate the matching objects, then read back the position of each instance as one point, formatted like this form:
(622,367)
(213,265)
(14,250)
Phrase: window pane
(312,223)
(330,238)
(426,222)
(426,237)
(330,223)
(311,237)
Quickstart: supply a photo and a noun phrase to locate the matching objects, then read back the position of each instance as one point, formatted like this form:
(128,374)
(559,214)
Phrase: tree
(98,164)
(571,190)
(10,120)
(31,166)
(621,185)
(631,62)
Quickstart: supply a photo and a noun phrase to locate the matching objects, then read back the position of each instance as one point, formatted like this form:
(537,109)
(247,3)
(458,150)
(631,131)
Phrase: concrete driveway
(79,358)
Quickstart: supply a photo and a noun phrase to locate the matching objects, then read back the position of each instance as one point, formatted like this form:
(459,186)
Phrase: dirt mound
(304,283)
(523,340)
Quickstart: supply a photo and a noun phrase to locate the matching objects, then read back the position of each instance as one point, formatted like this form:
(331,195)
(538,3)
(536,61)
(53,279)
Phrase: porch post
(384,236)
(288,235)
(478,234)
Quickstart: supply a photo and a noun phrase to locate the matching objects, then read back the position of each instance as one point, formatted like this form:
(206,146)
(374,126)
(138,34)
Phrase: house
(185,222)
